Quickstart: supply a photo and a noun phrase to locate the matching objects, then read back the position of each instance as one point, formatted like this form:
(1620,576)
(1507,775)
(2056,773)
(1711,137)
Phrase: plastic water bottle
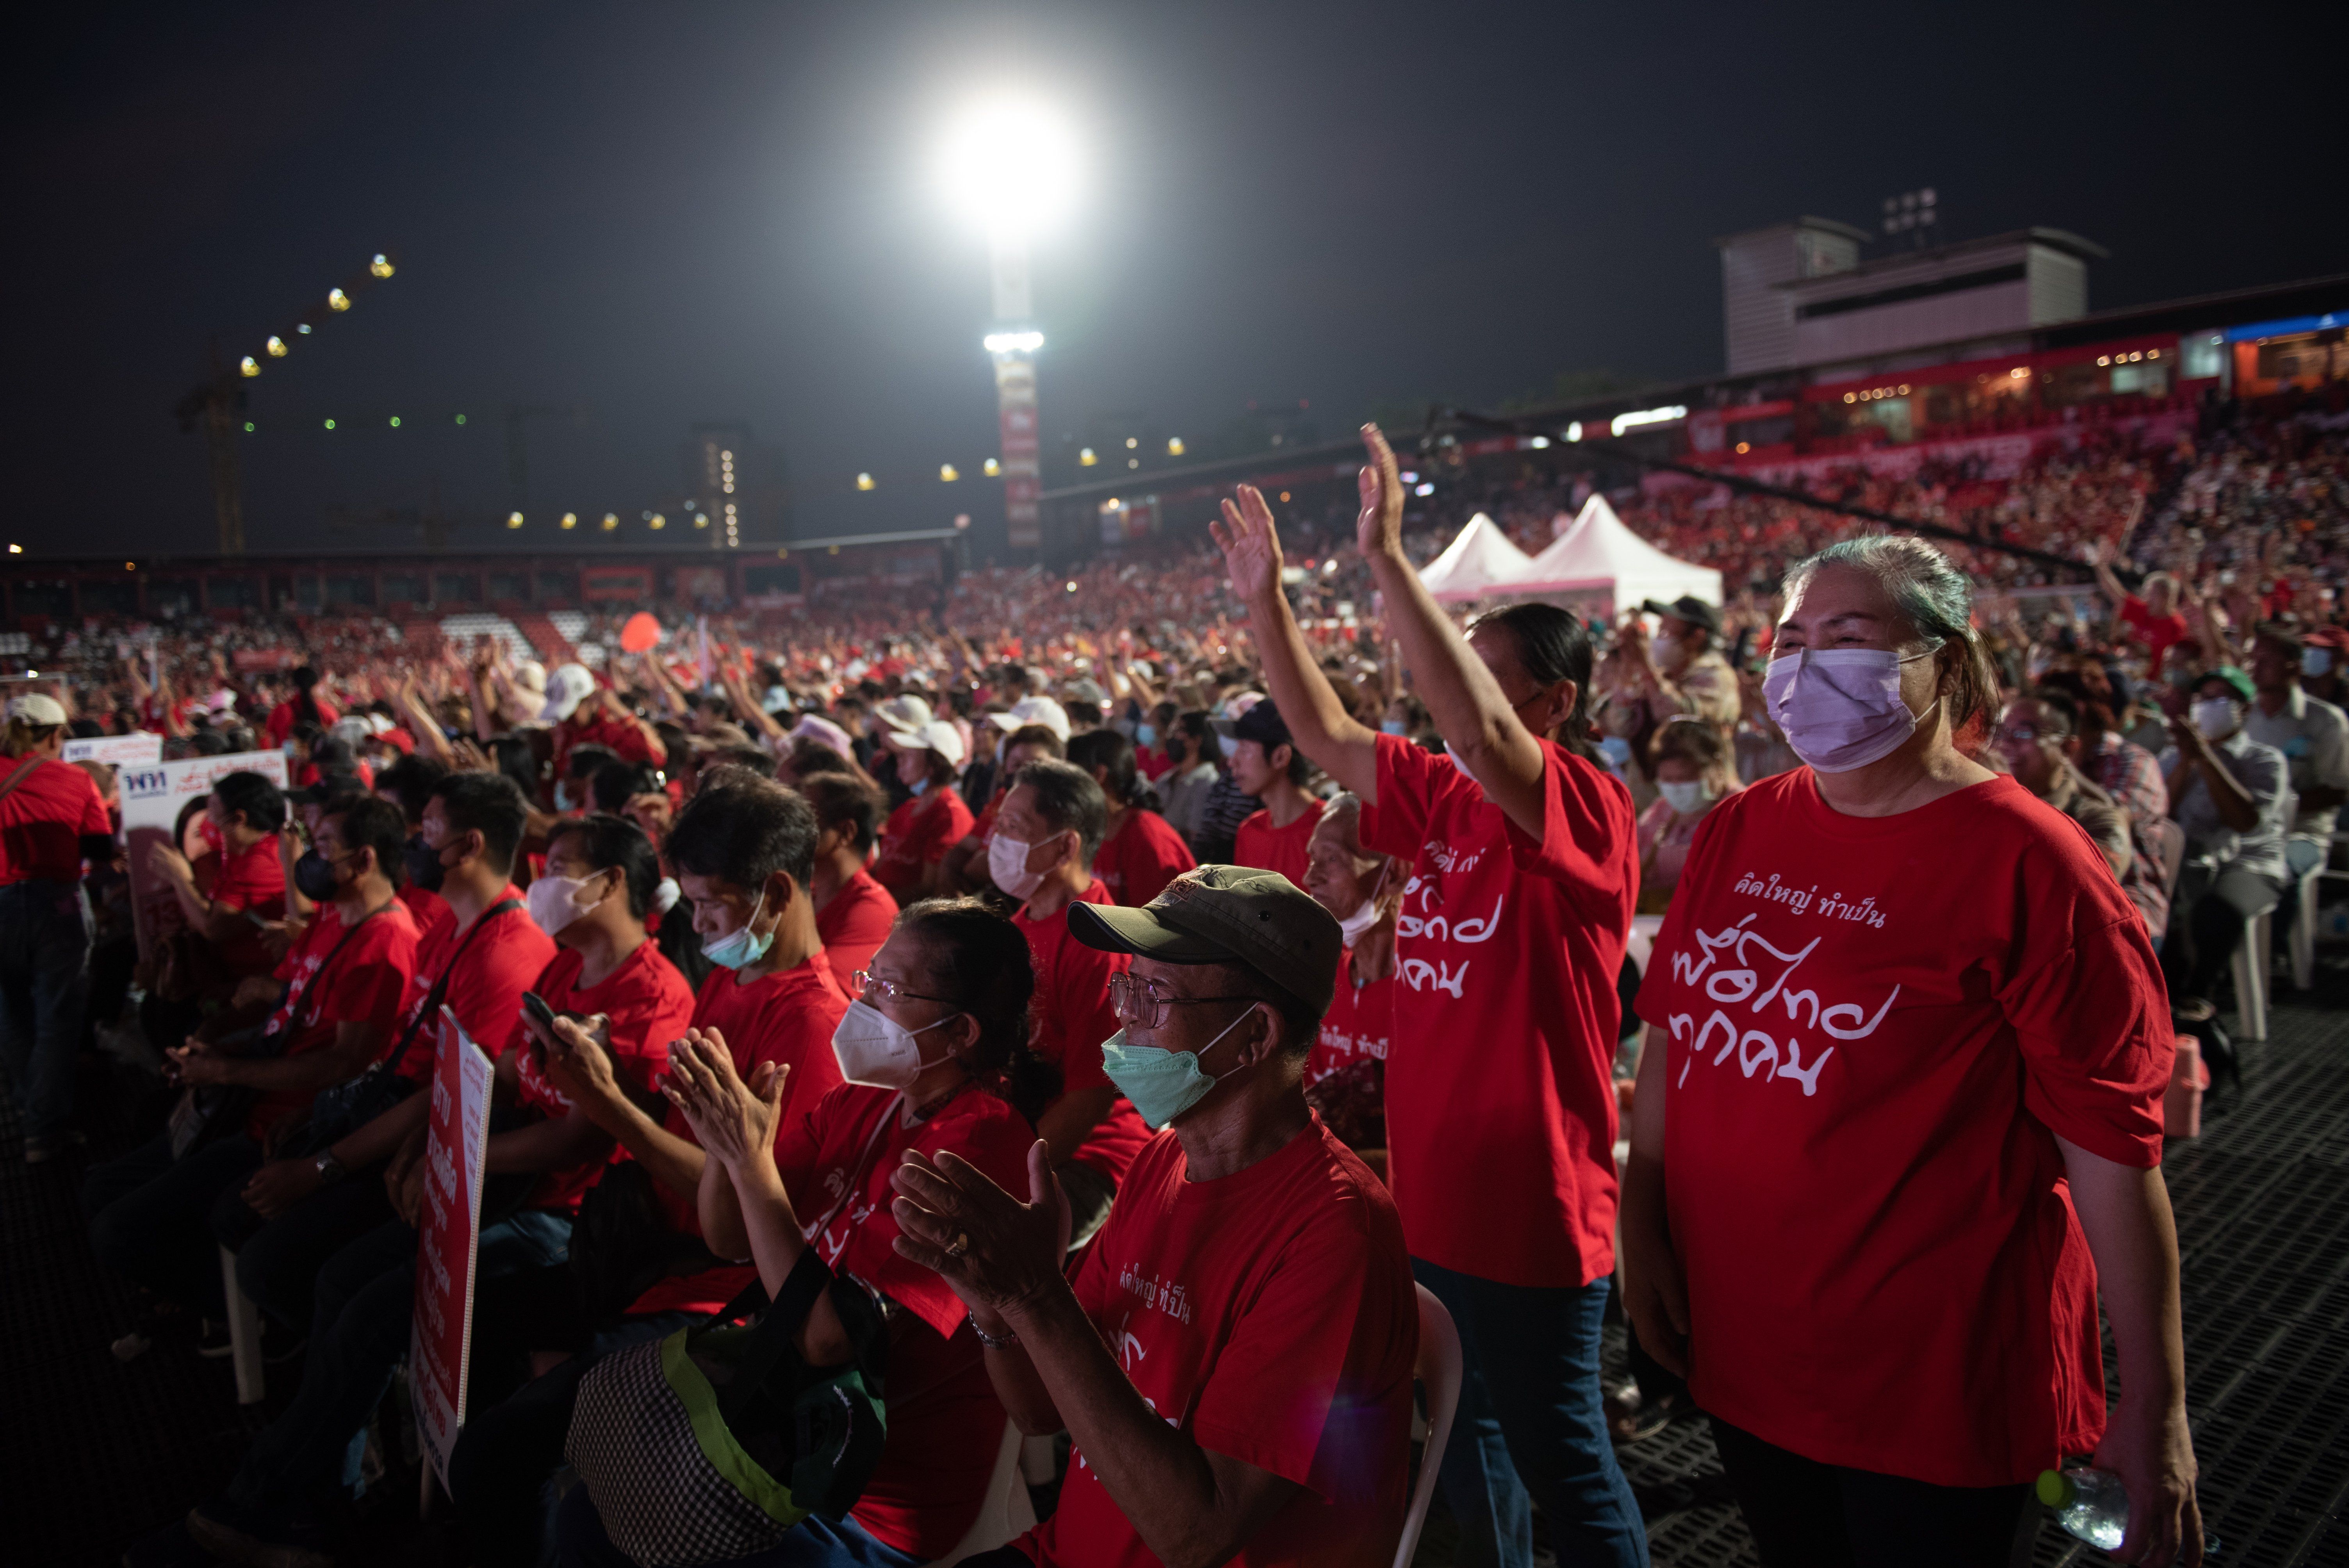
(2091,1504)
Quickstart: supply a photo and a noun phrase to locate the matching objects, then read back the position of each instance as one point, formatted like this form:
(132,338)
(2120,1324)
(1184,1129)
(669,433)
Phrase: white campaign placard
(135,749)
(153,795)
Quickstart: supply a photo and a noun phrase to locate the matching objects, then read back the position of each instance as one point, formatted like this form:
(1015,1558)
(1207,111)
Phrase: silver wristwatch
(993,1341)
(328,1168)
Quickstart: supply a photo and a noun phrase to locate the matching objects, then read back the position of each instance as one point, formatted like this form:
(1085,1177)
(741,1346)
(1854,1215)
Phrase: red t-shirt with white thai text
(917,836)
(786,1017)
(1500,1086)
(489,966)
(1072,1019)
(945,1423)
(1878,1029)
(648,1003)
(854,925)
(1270,1315)
(365,981)
(1141,858)
(1257,842)
(1358,1026)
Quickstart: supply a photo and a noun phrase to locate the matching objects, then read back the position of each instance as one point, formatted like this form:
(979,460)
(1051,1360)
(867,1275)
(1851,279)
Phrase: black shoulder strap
(771,1337)
(440,987)
(22,771)
(311,985)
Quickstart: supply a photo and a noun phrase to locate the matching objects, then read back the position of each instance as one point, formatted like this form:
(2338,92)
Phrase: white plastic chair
(2252,955)
(244,1336)
(1006,1514)
(1439,1368)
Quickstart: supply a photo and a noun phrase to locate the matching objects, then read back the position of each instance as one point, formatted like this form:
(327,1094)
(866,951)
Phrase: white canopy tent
(1480,563)
(1599,555)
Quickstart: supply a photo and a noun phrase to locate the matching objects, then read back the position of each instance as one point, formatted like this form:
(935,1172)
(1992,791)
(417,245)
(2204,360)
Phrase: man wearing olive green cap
(1232,1354)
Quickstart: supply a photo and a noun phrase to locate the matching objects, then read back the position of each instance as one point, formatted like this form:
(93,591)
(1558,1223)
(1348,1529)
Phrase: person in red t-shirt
(937,1061)
(1268,764)
(914,845)
(1041,854)
(245,812)
(596,716)
(1500,1086)
(1140,854)
(853,913)
(304,707)
(1233,1357)
(966,863)
(299,1212)
(743,851)
(1898,1129)
(1345,1078)
(2153,619)
(51,818)
(341,987)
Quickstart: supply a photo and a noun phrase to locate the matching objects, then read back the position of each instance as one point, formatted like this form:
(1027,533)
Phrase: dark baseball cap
(1262,723)
(1689,608)
(1226,914)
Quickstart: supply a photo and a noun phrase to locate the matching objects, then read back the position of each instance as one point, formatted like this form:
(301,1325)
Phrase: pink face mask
(1840,709)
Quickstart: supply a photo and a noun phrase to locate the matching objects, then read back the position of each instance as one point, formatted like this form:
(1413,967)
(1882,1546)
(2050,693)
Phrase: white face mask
(1006,866)
(2215,716)
(1840,709)
(556,901)
(876,1050)
(1685,798)
(1350,929)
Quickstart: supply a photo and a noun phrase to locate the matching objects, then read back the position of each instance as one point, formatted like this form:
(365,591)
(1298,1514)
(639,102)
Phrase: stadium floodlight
(1623,422)
(1012,164)
(1012,342)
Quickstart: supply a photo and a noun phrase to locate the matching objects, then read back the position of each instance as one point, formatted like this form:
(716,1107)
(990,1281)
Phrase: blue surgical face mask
(1147,734)
(2316,661)
(1616,750)
(737,949)
(1393,727)
(1162,1083)
(918,785)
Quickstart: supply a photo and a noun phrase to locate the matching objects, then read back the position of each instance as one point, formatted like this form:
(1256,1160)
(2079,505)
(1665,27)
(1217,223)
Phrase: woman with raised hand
(1898,1121)
(1500,1103)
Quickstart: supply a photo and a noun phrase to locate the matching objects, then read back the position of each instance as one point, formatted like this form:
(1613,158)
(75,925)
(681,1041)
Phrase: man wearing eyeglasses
(2037,738)
(1233,1354)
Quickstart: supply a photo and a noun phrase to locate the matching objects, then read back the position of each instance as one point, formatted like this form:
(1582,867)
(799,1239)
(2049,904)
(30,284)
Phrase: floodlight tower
(1012,166)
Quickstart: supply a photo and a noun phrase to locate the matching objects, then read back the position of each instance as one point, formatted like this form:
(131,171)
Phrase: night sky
(669,213)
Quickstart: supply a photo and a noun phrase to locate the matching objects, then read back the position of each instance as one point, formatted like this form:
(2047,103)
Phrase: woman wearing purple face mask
(1898,1124)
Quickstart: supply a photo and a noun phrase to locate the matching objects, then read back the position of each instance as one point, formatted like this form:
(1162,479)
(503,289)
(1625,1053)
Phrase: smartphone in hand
(535,1005)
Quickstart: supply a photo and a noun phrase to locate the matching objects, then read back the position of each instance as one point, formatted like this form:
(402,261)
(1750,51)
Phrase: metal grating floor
(94,1453)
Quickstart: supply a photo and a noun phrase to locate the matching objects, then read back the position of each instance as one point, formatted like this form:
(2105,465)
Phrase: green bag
(712,1443)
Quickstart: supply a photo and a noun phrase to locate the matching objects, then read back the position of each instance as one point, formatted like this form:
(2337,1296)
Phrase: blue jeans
(42,944)
(358,1331)
(1531,1416)
(813,1543)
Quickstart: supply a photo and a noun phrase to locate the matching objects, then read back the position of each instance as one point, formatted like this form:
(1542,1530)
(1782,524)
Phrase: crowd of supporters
(1127,982)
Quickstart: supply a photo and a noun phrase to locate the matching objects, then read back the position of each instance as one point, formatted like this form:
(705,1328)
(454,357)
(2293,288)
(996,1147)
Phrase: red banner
(440,1339)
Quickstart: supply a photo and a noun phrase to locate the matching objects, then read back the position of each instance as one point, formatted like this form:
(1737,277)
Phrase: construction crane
(215,401)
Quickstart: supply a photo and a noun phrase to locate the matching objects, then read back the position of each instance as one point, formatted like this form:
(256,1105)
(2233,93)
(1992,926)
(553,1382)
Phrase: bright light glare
(1623,422)
(1010,165)
(1013,342)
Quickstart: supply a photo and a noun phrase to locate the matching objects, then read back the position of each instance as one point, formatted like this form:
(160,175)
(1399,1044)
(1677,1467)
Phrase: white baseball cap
(904,714)
(1031,710)
(567,687)
(36,708)
(935,735)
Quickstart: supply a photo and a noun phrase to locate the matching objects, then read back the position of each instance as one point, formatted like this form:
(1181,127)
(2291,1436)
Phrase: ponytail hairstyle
(22,736)
(1554,646)
(305,701)
(979,960)
(1938,602)
(1111,751)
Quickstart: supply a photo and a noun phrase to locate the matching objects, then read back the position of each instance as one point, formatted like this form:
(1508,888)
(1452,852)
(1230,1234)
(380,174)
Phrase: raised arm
(1318,722)
(1471,712)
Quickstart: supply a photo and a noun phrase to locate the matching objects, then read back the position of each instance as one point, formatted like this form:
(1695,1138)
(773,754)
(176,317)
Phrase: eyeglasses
(2024,732)
(1144,1002)
(871,985)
